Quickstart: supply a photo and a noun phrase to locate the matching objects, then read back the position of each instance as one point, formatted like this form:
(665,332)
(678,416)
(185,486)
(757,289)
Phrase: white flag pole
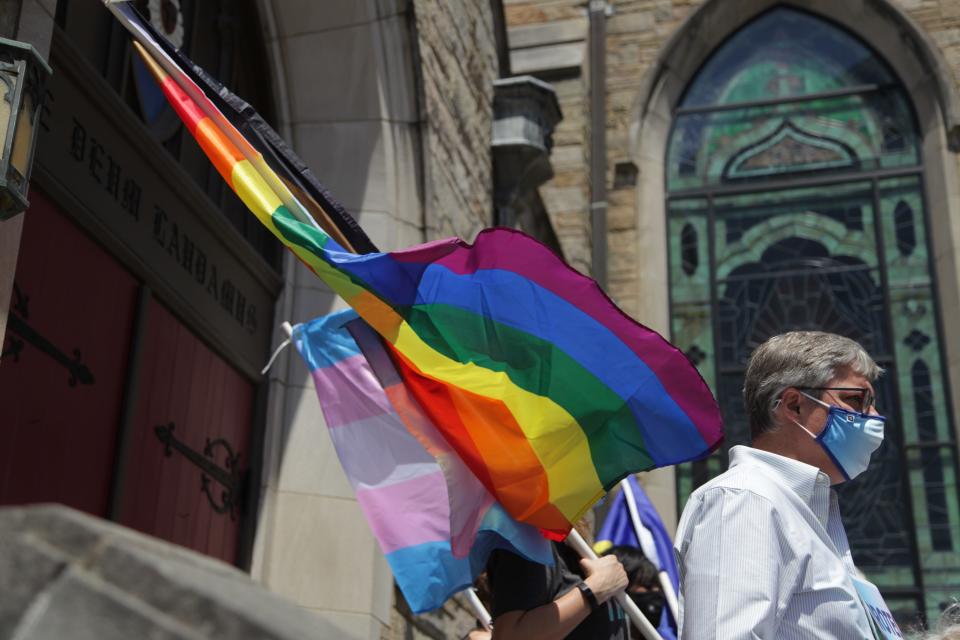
(580,545)
(479,611)
(649,549)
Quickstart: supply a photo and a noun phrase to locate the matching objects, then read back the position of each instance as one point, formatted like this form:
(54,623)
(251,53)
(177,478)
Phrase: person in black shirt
(571,599)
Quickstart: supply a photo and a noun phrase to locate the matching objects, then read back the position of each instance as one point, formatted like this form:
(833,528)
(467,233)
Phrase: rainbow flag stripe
(546,390)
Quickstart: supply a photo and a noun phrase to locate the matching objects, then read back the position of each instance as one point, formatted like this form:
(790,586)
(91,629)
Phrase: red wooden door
(65,374)
(62,374)
(184,384)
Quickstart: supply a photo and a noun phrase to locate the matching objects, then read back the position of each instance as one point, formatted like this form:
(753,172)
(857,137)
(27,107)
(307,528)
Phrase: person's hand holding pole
(580,545)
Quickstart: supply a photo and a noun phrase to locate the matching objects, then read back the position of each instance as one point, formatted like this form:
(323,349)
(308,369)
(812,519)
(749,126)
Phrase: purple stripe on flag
(350,392)
(420,503)
(511,251)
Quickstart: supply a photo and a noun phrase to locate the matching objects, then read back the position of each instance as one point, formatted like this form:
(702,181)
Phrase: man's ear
(790,401)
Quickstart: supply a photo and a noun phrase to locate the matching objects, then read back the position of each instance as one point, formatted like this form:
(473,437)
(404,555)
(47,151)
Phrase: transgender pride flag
(434,520)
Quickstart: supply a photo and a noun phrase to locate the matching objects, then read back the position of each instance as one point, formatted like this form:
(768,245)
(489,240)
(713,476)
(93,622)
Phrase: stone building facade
(661,57)
(391,104)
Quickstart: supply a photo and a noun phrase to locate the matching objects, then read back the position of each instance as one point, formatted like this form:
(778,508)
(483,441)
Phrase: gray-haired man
(761,548)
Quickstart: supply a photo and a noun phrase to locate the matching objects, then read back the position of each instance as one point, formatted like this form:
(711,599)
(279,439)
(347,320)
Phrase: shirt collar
(807,481)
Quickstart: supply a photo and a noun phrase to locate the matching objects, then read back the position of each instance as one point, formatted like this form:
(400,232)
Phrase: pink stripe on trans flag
(466,512)
(389,447)
(418,503)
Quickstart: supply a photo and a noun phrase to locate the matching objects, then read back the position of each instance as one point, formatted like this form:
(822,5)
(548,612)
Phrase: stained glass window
(795,201)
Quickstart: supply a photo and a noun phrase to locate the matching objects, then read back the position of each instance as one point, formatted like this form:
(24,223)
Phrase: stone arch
(915,59)
(912,54)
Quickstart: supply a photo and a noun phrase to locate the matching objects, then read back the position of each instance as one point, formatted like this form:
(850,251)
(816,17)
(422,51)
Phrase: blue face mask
(849,438)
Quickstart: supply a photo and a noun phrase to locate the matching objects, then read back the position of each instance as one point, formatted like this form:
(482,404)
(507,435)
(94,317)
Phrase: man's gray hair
(798,359)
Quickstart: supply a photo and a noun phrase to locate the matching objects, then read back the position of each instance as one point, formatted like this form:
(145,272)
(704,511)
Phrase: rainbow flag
(544,388)
(421,501)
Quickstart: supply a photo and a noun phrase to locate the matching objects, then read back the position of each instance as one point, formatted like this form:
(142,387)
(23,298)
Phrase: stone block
(311,302)
(549,57)
(358,87)
(296,17)
(546,33)
(65,532)
(632,22)
(350,155)
(525,13)
(570,156)
(127,585)
(397,77)
(36,26)
(80,608)
(564,199)
(327,557)
(381,227)
(356,626)
(387,8)
(25,571)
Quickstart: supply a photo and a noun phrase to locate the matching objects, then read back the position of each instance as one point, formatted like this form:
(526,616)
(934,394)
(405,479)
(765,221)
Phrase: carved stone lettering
(200,271)
(100,159)
(212,284)
(78,141)
(227,295)
(96,160)
(159,225)
(113,177)
(131,197)
(173,243)
(186,255)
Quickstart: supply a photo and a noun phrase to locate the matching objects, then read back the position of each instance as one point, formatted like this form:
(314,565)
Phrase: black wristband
(588,595)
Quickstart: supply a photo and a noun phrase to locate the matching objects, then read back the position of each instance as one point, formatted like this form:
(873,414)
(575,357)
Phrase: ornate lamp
(525,112)
(23,79)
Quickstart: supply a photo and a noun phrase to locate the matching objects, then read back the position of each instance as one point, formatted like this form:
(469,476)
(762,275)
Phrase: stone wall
(547,39)
(458,64)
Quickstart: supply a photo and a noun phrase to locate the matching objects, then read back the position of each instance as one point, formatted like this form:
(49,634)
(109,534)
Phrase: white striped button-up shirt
(762,554)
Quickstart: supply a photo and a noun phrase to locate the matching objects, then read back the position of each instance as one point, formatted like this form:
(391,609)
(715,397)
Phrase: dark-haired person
(644,583)
(761,549)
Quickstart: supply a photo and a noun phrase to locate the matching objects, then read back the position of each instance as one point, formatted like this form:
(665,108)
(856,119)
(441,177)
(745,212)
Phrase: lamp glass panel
(23,136)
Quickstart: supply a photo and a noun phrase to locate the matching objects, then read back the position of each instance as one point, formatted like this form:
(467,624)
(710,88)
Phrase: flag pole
(196,94)
(580,545)
(666,585)
(479,611)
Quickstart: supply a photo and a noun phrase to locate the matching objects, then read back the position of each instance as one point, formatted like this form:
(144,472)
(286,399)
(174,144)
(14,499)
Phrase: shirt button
(822,479)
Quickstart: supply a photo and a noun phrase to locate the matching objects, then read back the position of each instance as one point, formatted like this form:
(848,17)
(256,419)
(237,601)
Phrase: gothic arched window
(795,201)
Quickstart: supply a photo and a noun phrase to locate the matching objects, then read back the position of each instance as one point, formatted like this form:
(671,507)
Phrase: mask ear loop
(776,405)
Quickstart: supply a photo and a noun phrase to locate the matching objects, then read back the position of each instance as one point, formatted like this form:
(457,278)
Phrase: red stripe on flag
(488,439)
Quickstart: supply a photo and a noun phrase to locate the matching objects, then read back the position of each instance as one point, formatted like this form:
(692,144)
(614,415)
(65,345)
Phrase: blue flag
(618,529)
